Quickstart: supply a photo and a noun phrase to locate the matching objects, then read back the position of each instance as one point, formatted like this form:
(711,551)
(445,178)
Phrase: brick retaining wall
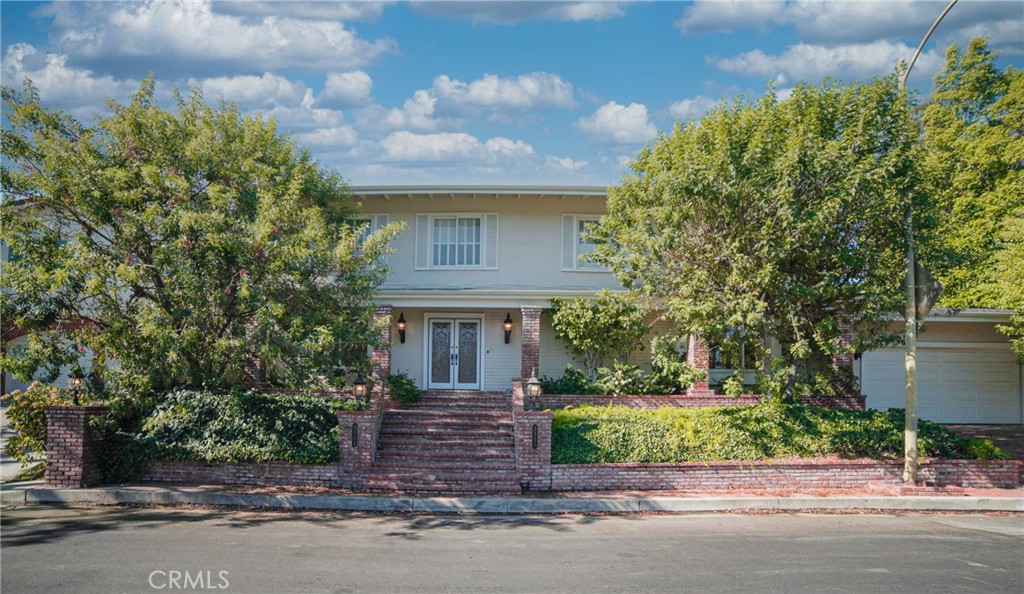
(784,475)
(244,473)
(72,446)
(556,401)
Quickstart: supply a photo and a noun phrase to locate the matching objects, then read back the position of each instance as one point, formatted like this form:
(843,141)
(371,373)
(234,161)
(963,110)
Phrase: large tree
(773,218)
(179,246)
(972,155)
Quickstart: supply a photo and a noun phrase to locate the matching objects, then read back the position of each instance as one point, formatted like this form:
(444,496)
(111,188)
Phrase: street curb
(507,505)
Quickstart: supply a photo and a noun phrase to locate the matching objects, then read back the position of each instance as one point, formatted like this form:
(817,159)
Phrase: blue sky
(477,92)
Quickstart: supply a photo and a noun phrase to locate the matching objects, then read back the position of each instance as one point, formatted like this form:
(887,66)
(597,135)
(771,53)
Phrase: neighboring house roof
(973,314)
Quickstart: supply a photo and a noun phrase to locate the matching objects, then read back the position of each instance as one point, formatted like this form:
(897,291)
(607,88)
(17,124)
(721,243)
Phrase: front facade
(471,258)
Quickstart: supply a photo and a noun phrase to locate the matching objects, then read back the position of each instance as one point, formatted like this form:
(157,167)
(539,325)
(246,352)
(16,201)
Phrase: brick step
(442,462)
(446,415)
(486,454)
(446,443)
(463,400)
(440,489)
(447,474)
(454,431)
(461,406)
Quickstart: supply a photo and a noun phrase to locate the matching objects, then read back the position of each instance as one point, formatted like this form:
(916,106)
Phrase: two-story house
(475,261)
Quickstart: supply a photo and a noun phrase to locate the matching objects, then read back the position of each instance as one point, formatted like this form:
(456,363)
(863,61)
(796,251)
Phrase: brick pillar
(531,340)
(358,431)
(843,359)
(698,356)
(72,446)
(533,449)
(381,356)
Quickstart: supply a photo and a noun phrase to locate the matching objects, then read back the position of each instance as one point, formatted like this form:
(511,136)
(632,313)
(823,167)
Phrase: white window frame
(577,265)
(485,240)
(369,218)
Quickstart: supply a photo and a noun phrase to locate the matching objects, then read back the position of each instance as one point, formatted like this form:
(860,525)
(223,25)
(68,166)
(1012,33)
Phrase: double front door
(453,353)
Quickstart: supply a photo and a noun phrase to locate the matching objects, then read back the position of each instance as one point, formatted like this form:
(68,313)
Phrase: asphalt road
(82,549)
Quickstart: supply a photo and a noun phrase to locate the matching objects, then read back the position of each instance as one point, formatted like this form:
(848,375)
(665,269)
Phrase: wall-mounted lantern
(401,327)
(533,389)
(359,390)
(508,326)
(77,378)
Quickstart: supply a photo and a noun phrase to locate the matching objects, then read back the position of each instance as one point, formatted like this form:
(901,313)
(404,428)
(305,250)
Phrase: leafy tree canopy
(179,246)
(772,218)
(972,155)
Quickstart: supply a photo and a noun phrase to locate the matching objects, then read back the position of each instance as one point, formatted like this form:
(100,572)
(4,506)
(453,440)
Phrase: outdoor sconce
(359,389)
(401,327)
(533,388)
(508,326)
(76,384)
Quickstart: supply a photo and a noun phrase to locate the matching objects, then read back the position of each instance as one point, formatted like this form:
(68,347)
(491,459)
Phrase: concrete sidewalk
(1003,500)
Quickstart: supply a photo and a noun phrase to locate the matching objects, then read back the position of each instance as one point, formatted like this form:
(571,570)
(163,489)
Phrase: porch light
(401,327)
(76,383)
(533,388)
(359,389)
(508,326)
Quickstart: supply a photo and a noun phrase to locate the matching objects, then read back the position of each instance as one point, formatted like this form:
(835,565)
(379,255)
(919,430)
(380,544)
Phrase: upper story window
(576,243)
(463,240)
(368,223)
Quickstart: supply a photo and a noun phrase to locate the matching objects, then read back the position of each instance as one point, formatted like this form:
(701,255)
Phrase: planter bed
(789,474)
(559,401)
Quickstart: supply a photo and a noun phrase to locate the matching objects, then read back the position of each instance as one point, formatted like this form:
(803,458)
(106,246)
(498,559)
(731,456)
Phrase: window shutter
(380,221)
(422,241)
(568,242)
(491,241)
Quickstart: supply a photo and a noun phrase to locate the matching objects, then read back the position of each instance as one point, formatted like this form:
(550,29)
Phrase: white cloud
(706,17)
(337,136)
(417,112)
(450,146)
(269,89)
(347,88)
(343,11)
(834,23)
(618,124)
(506,13)
(193,34)
(527,91)
(691,109)
(60,85)
(565,163)
(814,62)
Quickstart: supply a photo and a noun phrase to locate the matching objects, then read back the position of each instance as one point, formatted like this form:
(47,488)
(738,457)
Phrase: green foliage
(403,386)
(596,331)
(26,412)
(971,149)
(618,380)
(603,434)
(573,381)
(670,372)
(191,242)
(245,426)
(771,217)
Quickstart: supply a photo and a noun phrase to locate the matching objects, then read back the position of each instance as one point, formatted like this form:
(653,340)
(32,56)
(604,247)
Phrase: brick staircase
(448,443)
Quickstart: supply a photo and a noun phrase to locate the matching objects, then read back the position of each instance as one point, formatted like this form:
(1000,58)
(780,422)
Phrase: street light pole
(910,360)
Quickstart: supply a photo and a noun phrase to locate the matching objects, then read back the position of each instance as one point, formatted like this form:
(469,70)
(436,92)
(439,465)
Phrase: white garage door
(954,385)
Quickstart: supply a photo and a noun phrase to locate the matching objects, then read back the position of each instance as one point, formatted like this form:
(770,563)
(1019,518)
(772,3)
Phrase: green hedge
(245,427)
(604,434)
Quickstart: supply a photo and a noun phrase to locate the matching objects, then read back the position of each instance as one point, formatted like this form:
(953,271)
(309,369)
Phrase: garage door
(954,385)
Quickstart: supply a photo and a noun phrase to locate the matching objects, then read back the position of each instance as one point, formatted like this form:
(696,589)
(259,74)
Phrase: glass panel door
(466,355)
(441,354)
(454,354)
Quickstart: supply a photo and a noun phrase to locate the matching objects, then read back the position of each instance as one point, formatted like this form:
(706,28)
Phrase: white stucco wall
(529,243)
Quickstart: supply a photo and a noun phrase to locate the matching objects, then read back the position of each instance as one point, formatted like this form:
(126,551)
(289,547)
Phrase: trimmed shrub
(606,434)
(245,426)
(403,387)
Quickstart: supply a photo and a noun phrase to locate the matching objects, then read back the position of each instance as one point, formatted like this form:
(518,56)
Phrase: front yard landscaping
(770,430)
(245,426)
